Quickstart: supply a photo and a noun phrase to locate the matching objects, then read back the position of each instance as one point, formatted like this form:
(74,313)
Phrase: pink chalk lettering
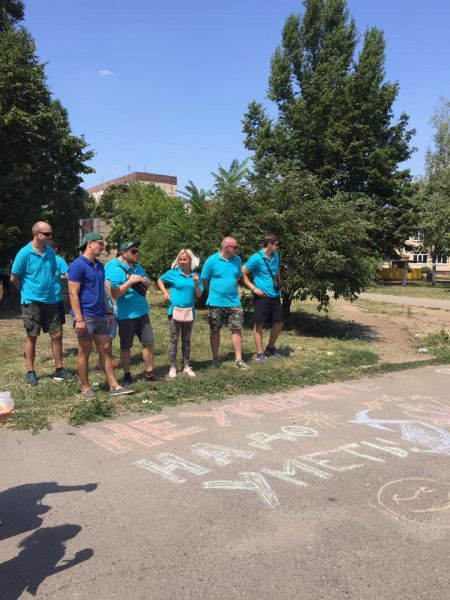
(213,413)
(159,426)
(118,442)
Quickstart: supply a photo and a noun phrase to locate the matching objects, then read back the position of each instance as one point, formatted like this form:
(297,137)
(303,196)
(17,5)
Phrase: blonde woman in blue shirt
(184,285)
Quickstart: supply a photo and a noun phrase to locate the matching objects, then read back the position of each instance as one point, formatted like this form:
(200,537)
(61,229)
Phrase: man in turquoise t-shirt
(221,274)
(129,284)
(265,268)
(34,269)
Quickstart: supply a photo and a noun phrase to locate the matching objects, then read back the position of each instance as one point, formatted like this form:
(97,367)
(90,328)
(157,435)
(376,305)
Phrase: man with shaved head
(221,274)
(34,269)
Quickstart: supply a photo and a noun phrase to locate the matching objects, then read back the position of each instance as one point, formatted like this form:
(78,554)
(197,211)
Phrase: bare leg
(104,349)
(258,336)
(236,339)
(57,348)
(30,351)
(147,357)
(84,350)
(214,338)
(274,333)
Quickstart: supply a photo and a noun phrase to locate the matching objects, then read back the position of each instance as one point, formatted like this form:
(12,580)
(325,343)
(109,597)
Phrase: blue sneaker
(31,378)
(261,358)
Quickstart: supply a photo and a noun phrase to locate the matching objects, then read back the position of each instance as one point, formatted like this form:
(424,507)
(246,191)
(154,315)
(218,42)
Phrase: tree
(433,197)
(335,121)
(41,161)
(234,176)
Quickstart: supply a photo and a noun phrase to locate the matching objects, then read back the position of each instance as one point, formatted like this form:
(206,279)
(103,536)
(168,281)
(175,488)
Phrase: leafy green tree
(146,213)
(433,198)
(234,176)
(11,12)
(335,120)
(41,161)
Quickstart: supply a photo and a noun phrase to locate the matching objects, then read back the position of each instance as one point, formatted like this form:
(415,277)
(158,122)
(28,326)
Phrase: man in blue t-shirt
(129,283)
(34,269)
(265,269)
(221,274)
(91,313)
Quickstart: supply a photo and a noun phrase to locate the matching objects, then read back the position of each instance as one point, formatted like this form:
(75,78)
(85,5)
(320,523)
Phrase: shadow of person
(42,551)
(21,506)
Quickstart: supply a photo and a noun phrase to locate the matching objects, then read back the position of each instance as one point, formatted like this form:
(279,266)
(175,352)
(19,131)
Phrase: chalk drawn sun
(318,418)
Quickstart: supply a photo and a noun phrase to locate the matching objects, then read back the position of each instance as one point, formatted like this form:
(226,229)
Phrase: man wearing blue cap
(91,313)
(129,284)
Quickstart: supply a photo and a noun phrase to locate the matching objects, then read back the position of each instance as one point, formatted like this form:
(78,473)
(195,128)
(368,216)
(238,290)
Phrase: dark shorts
(267,310)
(139,326)
(95,326)
(38,315)
(62,311)
(231,316)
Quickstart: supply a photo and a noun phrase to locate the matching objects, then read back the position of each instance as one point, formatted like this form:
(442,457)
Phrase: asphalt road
(331,492)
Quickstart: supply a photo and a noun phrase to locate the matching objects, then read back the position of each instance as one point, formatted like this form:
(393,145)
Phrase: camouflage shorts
(38,315)
(219,315)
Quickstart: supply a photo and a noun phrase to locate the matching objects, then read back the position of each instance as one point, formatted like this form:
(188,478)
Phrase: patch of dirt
(396,333)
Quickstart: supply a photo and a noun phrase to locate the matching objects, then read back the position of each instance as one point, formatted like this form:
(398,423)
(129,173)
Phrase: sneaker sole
(122,393)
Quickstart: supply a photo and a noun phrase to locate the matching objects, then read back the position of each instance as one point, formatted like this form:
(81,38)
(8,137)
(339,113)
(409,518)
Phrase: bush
(426,270)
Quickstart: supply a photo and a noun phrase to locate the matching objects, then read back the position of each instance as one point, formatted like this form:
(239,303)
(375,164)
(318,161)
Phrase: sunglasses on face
(234,247)
(46,233)
(135,251)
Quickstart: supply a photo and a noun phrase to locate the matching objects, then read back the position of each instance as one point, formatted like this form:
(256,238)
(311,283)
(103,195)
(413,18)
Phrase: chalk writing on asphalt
(266,460)
(421,501)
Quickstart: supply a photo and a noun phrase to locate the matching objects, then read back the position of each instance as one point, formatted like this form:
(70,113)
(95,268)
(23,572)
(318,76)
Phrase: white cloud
(105,73)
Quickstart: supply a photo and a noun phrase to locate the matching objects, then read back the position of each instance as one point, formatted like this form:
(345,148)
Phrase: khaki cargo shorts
(219,316)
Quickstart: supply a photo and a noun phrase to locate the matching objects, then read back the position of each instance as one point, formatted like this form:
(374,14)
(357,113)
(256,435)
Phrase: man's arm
(74,291)
(249,283)
(118,291)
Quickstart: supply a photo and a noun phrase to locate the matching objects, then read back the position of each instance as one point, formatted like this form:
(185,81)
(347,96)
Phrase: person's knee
(57,336)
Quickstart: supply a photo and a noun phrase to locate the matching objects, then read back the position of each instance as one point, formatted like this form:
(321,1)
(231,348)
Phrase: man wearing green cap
(91,313)
(129,283)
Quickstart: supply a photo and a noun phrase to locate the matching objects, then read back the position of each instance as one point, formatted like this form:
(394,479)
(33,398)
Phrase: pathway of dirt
(395,332)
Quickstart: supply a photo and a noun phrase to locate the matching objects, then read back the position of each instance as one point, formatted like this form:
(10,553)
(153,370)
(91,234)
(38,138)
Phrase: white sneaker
(172,372)
(188,371)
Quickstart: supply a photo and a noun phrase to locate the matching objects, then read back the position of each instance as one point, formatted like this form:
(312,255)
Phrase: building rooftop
(135,176)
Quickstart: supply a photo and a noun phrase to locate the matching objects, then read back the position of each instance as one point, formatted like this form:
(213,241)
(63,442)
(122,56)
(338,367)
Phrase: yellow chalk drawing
(318,418)
(418,500)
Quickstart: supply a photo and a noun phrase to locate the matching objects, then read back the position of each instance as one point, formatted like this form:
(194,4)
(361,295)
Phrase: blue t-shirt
(91,277)
(61,269)
(223,275)
(261,277)
(37,273)
(132,304)
(182,289)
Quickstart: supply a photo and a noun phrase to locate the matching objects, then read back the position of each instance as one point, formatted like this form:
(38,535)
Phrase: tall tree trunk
(405,273)
(433,272)
(286,306)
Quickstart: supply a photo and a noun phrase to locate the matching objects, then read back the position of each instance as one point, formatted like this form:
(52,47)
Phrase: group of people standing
(104,299)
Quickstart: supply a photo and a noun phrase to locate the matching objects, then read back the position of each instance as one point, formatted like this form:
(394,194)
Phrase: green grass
(316,349)
(417,289)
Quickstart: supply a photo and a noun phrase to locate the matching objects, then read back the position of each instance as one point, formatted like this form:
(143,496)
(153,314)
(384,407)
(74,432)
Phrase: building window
(441,259)
(420,258)
(418,235)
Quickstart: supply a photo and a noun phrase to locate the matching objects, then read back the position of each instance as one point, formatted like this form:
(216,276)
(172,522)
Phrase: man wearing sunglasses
(264,266)
(221,274)
(92,315)
(34,269)
(129,283)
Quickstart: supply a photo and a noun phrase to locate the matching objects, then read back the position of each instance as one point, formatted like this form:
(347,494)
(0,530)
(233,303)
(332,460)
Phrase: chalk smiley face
(419,500)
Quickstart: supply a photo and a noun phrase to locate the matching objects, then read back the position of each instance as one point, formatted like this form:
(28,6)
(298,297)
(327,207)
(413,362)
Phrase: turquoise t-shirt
(132,304)
(223,275)
(108,267)
(37,273)
(261,277)
(182,289)
(61,269)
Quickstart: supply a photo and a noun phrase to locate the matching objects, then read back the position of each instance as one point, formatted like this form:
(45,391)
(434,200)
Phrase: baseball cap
(127,245)
(90,237)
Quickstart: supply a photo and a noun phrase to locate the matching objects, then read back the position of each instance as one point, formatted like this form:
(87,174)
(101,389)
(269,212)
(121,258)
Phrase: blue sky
(163,86)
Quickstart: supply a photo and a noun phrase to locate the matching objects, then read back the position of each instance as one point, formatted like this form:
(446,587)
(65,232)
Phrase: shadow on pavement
(38,559)
(21,506)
